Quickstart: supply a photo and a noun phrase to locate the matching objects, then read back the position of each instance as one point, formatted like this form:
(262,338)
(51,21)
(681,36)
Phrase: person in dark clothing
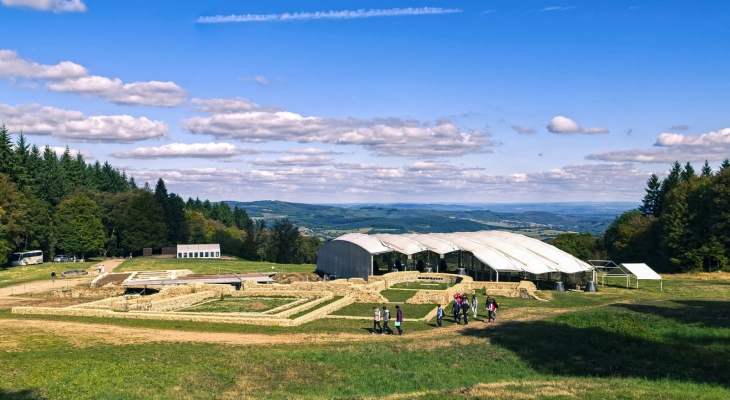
(439,316)
(386,319)
(457,315)
(398,319)
(465,311)
(53,276)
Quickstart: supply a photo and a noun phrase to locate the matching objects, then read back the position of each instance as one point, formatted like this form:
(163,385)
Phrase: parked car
(61,258)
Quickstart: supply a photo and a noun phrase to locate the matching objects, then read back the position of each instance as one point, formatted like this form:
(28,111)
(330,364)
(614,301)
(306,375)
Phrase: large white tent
(639,270)
(498,251)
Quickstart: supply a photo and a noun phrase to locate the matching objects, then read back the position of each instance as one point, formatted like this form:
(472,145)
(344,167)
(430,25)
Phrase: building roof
(198,247)
(641,271)
(437,245)
(400,243)
(371,244)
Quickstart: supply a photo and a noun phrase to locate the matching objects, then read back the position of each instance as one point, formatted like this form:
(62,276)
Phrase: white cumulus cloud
(70,77)
(34,119)
(306,16)
(718,138)
(187,150)
(562,124)
(57,6)
(243,120)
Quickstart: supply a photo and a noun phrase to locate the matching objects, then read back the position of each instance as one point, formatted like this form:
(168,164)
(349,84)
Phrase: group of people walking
(462,306)
(385,317)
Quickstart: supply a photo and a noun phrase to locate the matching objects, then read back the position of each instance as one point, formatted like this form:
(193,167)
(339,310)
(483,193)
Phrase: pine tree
(78,225)
(21,153)
(651,204)
(52,184)
(7,158)
(132,183)
(143,221)
(725,164)
(706,170)
(688,173)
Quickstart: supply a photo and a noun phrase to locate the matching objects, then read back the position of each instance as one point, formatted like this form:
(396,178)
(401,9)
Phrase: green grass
(612,345)
(13,275)
(239,305)
(398,296)
(366,309)
(420,285)
(210,266)
(318,306)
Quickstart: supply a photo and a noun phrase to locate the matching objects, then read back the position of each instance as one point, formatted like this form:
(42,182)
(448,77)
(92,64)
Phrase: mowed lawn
(614,344)
(210,266)
(14,275)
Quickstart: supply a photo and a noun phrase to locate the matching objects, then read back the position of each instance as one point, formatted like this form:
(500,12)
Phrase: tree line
(64,204)
(682,225)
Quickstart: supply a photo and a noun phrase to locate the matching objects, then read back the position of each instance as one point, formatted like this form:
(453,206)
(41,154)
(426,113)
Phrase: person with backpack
(53,276)
(457,315)
(386,319)
(474,305)
(398,319)
(491,310)
(376,320)
(439,316)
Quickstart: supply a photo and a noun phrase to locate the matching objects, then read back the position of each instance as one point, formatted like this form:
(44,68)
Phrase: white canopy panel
(563,261)
(530,261)
(437,245)
(495,260)
(642,271)
(371,244)
(400,243)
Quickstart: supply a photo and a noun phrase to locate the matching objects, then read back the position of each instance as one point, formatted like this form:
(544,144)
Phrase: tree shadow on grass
(26,394)
(611,343)
(694,312)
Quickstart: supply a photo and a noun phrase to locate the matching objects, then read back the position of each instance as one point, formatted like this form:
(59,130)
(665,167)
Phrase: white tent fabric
(497,261)
(437,245)
(563,261)
(530,262)
(641,271)
(371,244)
(400,243)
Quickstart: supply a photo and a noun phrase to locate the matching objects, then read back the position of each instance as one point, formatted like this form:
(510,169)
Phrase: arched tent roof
(400,243)
(530,262)
(371,244)
(437,245)
(495,260)
(563,261)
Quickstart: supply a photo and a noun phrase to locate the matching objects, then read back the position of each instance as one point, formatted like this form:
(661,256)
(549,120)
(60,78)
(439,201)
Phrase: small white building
(198,251)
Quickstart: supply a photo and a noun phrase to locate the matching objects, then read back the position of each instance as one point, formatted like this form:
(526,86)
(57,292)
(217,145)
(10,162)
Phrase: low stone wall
(442,297)
(88,293)
(524,289)
(173,303)
(393,278)
(362,293)
(321,312)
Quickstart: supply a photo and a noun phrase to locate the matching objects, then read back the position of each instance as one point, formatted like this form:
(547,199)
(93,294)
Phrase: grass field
(239,305)
(13,275)
(398,296)
(614,344)
(210,266)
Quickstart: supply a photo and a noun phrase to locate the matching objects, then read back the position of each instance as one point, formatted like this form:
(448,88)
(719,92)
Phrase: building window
(217,254)
(196,255)
(206,254)
(185,255)
(179,255)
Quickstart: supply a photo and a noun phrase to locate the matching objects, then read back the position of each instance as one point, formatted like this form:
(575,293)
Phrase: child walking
(398,319)
(457,316)
(439,316)
(474,305)
(386,319)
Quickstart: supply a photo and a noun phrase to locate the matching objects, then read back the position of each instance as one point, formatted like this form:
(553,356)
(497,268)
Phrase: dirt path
(46,285)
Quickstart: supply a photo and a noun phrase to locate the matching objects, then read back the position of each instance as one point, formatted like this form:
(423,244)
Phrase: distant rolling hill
(330,221)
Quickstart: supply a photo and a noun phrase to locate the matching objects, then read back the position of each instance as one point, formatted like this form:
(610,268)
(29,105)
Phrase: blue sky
(331,101)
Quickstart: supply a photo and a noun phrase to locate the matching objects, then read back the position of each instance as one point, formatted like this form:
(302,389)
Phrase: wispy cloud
(57,6)
(307,16)
(523,130)
(261,80)
(562,124)
(555,8)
